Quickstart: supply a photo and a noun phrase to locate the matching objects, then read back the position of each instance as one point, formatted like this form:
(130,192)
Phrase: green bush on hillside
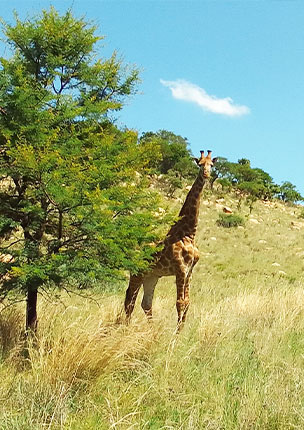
(230,220)
(171,183)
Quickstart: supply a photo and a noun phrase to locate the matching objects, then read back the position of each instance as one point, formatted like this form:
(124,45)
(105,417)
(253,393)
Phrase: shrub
(230,220)
(171,182)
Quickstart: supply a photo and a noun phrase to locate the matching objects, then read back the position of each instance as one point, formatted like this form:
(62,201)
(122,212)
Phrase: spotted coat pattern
(178,255)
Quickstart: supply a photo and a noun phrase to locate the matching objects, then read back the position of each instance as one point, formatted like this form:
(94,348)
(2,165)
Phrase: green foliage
(172,153)
(254,183)
(171,182)
(288,193)
(242,177)
(222,172)
(230,220)
(75,207)
(244,162)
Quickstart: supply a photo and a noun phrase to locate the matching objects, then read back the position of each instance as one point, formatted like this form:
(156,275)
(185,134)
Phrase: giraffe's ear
(214,160)
(196,160)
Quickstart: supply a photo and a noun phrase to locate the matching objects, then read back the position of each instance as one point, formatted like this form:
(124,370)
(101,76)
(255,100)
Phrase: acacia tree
(71,211)
(254,182)
(288,193)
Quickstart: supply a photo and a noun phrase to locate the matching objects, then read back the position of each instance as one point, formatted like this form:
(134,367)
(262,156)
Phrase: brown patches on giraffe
(179,254)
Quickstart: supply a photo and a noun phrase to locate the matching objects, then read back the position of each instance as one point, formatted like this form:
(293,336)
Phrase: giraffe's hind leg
(183,280)
(149,287)
(131,294)
(180,296)
(191,258)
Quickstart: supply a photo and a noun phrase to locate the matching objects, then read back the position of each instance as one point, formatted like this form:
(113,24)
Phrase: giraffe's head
(205,163)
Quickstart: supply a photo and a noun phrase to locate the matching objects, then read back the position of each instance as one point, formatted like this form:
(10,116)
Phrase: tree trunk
(31,310)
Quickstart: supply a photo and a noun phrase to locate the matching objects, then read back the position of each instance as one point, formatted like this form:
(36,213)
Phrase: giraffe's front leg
(192,263)
(149,287)
(187,294)
(131,294)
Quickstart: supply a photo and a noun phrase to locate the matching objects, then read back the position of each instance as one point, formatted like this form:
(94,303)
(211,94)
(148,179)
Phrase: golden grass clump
(11,321)
(84,341)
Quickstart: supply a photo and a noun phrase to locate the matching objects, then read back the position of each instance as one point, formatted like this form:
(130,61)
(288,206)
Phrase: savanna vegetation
(237,364)
(82,202)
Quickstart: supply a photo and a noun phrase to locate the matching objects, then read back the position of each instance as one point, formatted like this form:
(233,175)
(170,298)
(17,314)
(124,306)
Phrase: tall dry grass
(237,364)
(75,346)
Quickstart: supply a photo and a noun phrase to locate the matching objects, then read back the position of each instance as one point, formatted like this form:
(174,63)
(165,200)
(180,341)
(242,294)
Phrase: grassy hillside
(237,364)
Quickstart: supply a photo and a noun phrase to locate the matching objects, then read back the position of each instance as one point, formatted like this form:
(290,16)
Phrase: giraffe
(178,255)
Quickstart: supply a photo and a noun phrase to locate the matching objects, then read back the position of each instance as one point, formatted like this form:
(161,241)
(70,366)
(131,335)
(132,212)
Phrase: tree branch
(11,244)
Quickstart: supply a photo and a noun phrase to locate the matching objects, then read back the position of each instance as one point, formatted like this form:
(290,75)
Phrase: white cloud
(183,90)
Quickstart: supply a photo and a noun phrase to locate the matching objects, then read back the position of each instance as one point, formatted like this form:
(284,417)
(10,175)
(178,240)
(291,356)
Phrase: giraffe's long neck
(187,224)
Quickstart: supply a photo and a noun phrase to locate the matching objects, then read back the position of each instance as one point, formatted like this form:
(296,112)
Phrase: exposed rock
(269,203)
(6,184)
(297,225)
(227,210)
(276,264)
(254,221)
(6,258)
(159,212)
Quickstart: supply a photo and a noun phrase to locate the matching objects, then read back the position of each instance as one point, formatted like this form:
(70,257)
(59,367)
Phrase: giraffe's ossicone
(179,253)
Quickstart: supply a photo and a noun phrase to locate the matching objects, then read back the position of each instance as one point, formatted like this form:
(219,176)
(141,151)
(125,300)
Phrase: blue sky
(228,75)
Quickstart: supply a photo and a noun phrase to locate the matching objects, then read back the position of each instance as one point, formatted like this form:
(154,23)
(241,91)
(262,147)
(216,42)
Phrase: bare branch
(84,296)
